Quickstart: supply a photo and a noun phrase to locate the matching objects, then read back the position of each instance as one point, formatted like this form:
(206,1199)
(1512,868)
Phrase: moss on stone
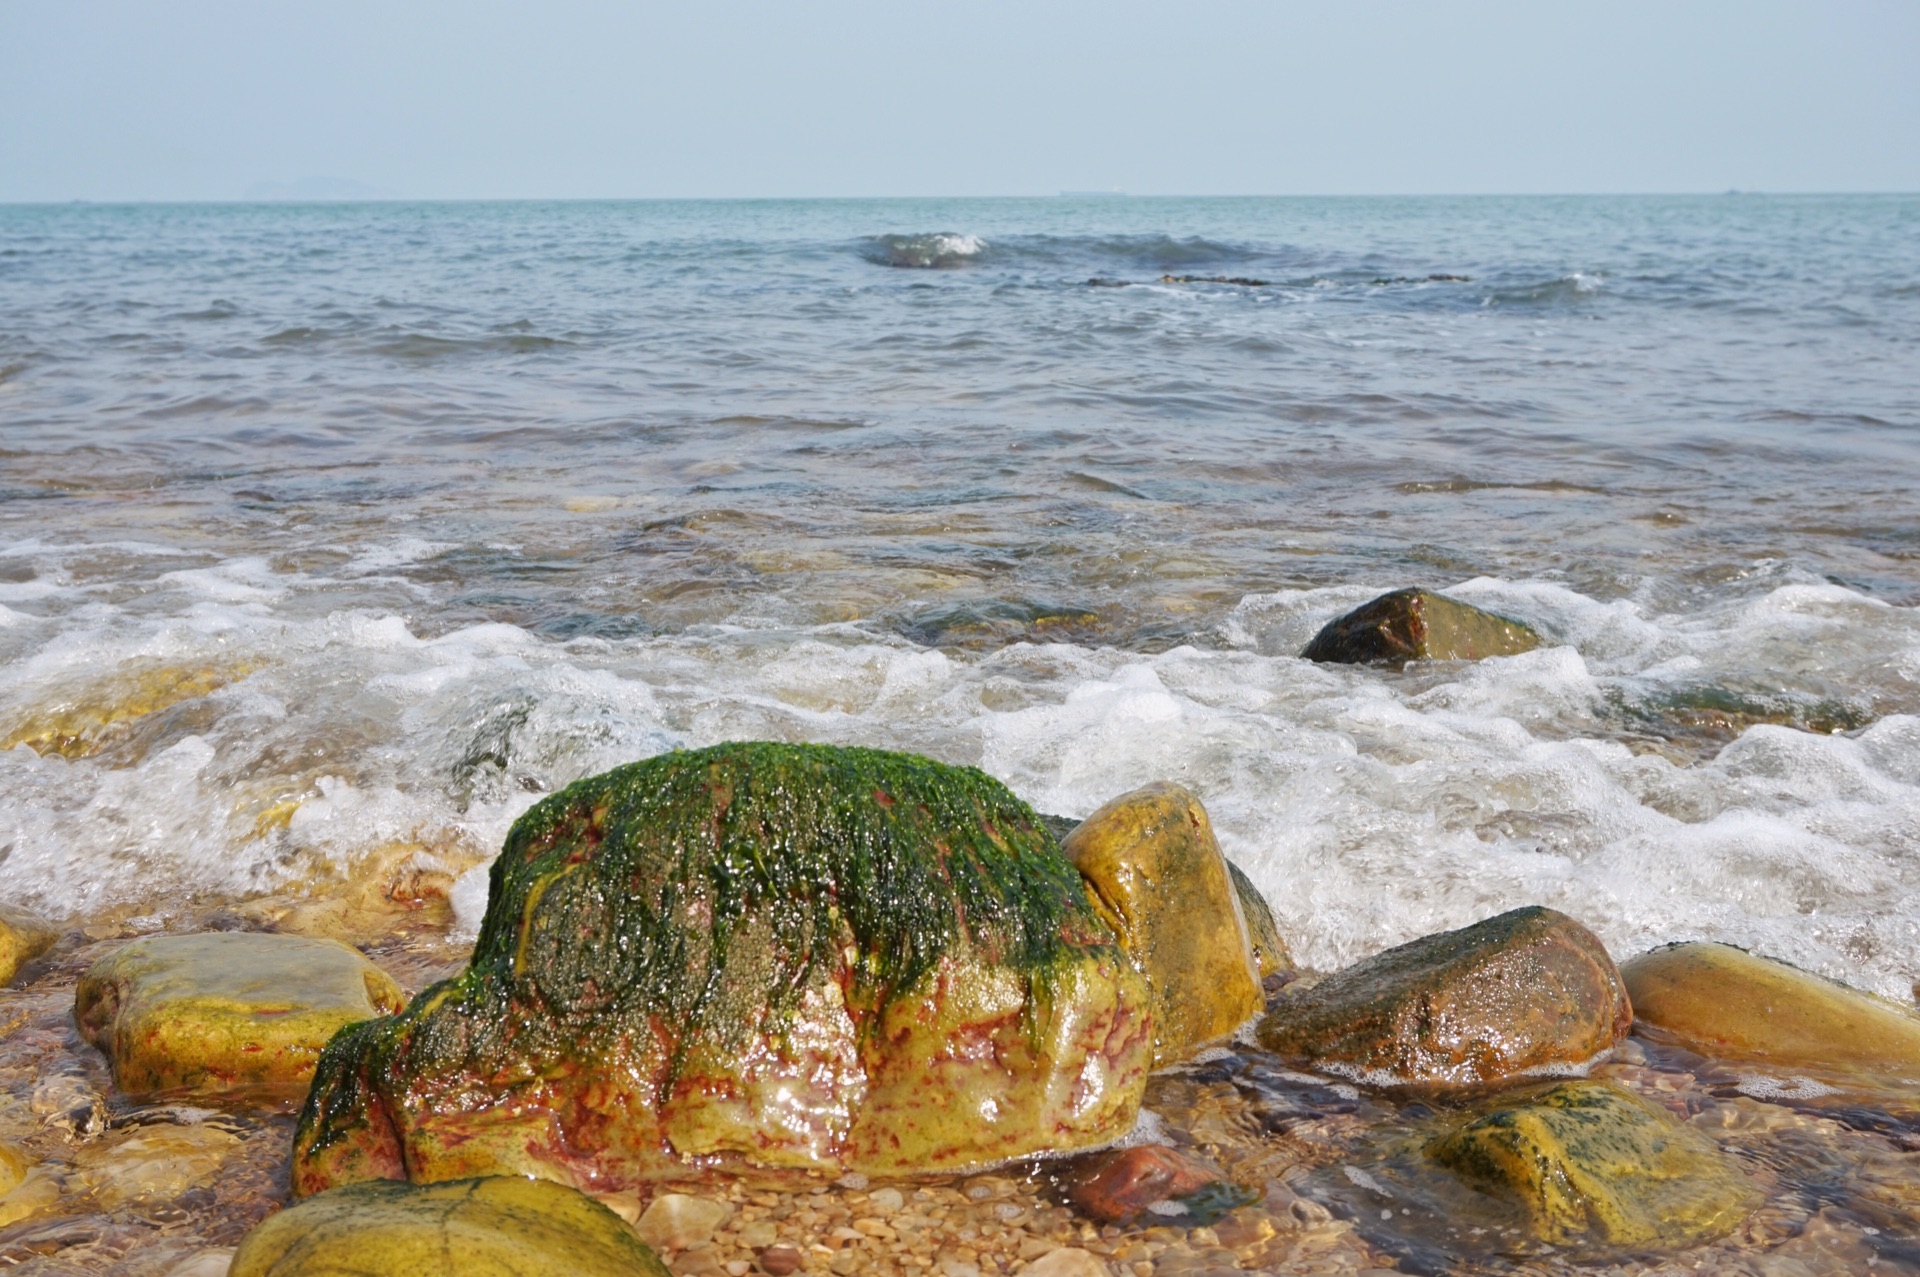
(739,937)
(1418,625)
(1590,1162)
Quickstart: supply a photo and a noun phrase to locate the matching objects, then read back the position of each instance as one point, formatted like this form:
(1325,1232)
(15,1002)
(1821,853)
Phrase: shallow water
(334,533)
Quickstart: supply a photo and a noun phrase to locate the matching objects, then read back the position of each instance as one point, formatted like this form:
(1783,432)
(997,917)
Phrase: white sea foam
(1372,806)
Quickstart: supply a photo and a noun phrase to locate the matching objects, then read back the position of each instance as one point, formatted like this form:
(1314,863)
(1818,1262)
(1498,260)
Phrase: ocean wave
(939,250)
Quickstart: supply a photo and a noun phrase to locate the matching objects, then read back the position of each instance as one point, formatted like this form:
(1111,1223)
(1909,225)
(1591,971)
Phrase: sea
(331,528)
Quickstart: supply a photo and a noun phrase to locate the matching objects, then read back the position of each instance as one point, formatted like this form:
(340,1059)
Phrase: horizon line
(1062,196)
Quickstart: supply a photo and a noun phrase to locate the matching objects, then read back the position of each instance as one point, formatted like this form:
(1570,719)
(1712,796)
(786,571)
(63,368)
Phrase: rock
(214,1261)
(396,886)
(1418,625)
(888,1201)
(1067,1261)
(1529,991)
(1591,1162)
(153,1164)
(125,714)
(236,1012)
(14,1165)
(37,1192)
(1269,950)
(753,956)
(778,1261)
(70,1105)
(23,937)
(1120,1185)
(1731,1004)
(508,1225)
(1159,879)
(675,1221)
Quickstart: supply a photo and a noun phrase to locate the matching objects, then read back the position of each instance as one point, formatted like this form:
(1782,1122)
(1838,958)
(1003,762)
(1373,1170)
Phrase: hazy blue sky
(210,99)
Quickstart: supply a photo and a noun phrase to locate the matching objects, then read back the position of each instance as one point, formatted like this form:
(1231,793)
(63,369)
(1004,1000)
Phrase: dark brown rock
(1122,1184)
(1418,625)
(1529,992)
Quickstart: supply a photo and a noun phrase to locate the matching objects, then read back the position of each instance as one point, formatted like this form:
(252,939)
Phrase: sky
(217,100)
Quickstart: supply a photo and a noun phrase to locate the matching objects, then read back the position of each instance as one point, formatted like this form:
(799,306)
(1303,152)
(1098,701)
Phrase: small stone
(23,937)
(737,1268)
(958,1268)
(1068,1261)
(758,1233)
(698,1262)
(14,1165)
(154,1164)
(678,1221)
(1119,1185)
(504,1224)
(779,1261)
(227,1011)
(215,1261)
(68,1103)
(886,1200)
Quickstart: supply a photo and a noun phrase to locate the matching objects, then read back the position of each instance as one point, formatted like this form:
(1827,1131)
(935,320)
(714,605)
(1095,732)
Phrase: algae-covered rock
(1269,950)
(1159,878)
(1726,1002)
(1418,625)
(1530,991)
(753,957)
(504,1226)
(233,1012)
(1590,1162)
(23,937)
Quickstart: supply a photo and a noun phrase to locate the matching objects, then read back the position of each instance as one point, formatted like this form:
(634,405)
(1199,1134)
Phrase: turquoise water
(469,500)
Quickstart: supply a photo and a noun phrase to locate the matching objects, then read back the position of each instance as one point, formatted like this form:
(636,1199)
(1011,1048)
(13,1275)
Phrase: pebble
(1067,1261)
(677,1221)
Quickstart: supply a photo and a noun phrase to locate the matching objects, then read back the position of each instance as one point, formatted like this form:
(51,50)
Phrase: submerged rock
(155,1164)
(226,1012)
(23,937)
(752,957)
(526,1227)
(1527,992)
(1418,625)
(1158,877)
(1591,1162)
(1731,1004)
(1124,1184)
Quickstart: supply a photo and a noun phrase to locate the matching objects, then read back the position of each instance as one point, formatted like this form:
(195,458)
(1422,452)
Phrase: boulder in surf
(1418,625)
(1730,1004)
(1528,992)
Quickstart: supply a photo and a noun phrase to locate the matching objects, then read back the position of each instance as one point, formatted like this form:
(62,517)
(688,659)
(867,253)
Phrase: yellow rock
(1731,1004)
(1159,879)
(14,1165)
(503,1225)
(36,1193)
(226,1011)
(155,1164)
(104,712)
(398,886)
(23,937)
(1269,950)
(1591,1162)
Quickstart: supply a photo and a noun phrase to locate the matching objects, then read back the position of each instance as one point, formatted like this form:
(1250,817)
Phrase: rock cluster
(712,983)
